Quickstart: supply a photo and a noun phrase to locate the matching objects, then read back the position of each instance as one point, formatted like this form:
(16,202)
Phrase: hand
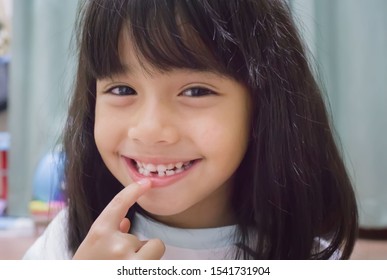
(108,237)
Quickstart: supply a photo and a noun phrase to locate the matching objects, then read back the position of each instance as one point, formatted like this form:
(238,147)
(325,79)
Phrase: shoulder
(52,244)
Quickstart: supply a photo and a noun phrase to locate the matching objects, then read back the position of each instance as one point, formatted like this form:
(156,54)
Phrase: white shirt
(52,244)
(203,244)
(211,243)
(188,244)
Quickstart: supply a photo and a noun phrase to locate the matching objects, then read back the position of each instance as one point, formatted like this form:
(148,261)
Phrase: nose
(154,124)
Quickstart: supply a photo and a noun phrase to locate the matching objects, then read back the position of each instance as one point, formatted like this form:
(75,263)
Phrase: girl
(207,111)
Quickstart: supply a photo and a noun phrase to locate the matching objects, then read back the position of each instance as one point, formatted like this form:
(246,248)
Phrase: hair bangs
(99,27)
(166,37)
(165,34)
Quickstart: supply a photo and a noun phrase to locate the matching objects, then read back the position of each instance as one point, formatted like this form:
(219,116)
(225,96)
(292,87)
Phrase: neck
(199,215)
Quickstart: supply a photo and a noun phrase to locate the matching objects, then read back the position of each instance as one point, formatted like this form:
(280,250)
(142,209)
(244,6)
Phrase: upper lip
(159,160)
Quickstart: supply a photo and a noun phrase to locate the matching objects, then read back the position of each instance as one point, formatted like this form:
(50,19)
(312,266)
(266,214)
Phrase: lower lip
(157,182)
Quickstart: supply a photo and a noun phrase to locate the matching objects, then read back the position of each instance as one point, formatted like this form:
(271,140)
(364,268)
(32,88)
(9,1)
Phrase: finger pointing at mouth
(118,207)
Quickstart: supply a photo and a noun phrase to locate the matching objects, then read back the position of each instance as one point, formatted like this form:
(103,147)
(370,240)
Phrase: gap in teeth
(161,170)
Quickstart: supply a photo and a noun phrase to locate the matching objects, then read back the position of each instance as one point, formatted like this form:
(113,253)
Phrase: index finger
(118,207)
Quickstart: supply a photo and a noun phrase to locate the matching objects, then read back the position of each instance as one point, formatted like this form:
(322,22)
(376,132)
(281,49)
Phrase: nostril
(149,134)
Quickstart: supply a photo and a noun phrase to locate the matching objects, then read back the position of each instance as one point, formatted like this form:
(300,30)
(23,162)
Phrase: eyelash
(192,92)
(198,92)
(128,90)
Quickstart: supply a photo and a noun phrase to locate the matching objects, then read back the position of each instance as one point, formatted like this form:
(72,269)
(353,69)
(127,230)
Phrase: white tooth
(146,172)
(169,172)
(187,163)
(161,174)
(178,170)
(151,167)
(161,168)
(170,166)
(141,170)
(178,165)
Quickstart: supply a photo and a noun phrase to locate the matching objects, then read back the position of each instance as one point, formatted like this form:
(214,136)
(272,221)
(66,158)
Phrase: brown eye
(121,90)
(197,92)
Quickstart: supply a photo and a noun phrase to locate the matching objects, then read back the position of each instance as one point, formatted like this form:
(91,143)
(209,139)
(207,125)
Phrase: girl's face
(185,130)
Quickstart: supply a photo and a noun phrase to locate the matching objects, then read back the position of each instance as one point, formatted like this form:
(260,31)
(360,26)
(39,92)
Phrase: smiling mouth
(161,170)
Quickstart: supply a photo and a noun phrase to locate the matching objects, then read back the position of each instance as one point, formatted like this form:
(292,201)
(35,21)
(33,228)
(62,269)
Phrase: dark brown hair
(293,188)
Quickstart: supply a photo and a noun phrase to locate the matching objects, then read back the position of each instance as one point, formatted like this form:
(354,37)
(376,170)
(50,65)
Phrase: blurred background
(347,43)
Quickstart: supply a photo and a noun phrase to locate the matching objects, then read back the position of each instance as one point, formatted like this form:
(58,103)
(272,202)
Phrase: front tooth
(146,172)
(178,165)
(151,167)
(170,166)
(178,170)
(161,168)
(161,174)
(141,170)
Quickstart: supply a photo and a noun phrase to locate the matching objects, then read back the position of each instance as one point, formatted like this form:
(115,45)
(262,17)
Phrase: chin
(161,210)
(158,211)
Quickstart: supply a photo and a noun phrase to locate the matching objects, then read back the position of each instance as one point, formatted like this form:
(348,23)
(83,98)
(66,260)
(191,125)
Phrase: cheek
(222,136)
(100,130)
(106,128)
(99,137)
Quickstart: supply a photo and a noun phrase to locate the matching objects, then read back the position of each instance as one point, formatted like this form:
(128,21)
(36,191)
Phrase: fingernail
(143,182)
